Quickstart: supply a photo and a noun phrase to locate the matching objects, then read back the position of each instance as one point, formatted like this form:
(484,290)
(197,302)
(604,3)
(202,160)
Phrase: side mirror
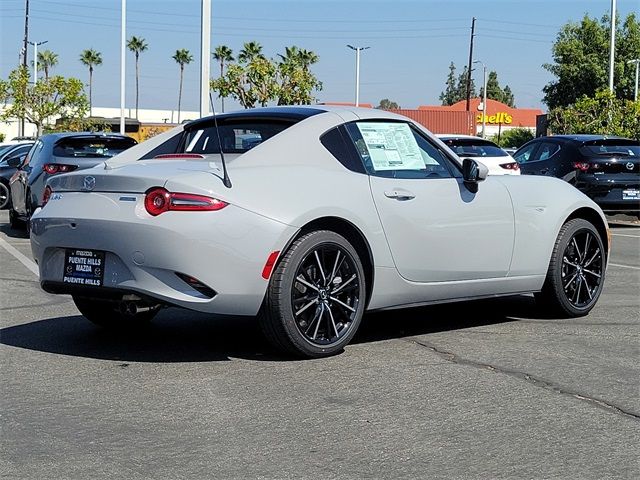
(472,173)
(16,161)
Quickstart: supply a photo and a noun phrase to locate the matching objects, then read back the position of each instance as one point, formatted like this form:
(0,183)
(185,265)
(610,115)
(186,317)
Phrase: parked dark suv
(607,169)
(54,154)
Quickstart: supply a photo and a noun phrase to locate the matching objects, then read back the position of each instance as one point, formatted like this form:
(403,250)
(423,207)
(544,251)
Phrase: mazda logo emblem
(89,183)
(629,166)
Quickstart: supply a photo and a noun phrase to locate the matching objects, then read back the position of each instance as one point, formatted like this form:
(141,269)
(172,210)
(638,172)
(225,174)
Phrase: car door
(20,179)
(436,228)
(543,160)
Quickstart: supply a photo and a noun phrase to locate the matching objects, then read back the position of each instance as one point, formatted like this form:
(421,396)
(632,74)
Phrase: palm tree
(91,58)
(307,57)
(137,45)
(250,50)
(182,57)
(223,54)
(46,60)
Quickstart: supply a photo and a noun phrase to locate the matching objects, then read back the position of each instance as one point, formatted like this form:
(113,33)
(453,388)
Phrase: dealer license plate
(83,267)
(631,194)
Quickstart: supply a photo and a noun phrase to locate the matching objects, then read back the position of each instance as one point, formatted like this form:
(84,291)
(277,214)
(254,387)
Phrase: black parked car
(607,169)
(54,154)
(8,151)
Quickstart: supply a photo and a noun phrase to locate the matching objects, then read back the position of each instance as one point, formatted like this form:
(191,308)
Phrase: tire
(109,314)
(575,277)
(321,276)
(5,197)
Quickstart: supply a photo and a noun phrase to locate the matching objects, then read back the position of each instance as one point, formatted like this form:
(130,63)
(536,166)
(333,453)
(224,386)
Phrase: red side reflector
(268,267)
(178,156)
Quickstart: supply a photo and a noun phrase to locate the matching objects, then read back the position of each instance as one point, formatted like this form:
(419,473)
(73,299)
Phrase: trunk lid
(612,155)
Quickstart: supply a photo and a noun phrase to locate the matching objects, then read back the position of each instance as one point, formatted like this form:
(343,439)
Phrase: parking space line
(624,266)
(27,262)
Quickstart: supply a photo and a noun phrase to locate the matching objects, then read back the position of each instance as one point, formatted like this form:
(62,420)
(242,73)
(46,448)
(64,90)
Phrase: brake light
(158,200)
(53,168)
(510,166)
(582,166)
(178,156)
(46,195)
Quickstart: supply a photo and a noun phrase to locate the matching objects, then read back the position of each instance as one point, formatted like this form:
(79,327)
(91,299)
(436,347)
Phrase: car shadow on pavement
(13,232)
(182,336)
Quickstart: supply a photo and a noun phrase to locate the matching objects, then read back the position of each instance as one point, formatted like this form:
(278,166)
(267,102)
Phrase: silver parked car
(333,212)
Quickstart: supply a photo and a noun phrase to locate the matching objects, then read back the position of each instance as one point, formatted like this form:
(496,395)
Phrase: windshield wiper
(626,154)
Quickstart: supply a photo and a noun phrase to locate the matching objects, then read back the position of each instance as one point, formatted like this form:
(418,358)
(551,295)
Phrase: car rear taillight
(158,200)
(46,195)
(53,168)
(582,166)
(510,166)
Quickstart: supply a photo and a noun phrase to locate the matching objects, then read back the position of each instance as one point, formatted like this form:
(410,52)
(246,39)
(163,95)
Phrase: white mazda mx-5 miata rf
(311,216)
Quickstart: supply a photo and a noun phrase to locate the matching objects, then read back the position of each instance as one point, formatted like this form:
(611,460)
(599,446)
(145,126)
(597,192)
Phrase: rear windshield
(612,146)
(237,137)
(4,148)
(474,147)
(91,147)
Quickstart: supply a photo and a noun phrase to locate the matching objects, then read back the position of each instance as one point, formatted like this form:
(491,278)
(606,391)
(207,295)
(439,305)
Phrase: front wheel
(575,277)
(316,296)
(4,196)
(113,314)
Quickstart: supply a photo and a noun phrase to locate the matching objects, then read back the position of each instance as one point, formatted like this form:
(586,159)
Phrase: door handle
(399,194)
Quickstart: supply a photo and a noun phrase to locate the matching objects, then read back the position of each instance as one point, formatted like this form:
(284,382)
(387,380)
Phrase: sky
(412,42)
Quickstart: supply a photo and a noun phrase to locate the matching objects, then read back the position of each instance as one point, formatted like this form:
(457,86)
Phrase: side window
(37,147)
(395,150)
(524,154)
(334,141)
(546,151)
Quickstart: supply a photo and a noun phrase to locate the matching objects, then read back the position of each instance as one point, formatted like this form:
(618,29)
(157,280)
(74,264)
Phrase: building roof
(520,117)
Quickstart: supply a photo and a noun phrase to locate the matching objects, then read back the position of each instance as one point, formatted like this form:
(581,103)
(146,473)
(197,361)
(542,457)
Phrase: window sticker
(392,146)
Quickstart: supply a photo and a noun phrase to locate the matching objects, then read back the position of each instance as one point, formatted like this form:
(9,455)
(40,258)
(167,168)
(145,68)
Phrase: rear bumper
(609,191)
(225,250)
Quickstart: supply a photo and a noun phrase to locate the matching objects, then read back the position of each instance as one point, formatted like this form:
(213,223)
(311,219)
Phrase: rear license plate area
(83,267)
(631,194)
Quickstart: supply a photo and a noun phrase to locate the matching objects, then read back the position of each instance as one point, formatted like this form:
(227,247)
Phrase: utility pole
(473,34)
(357,50)
(35,60)
(205,55)
(635,92)
(123,40)
(24,54)
(612,47)
(484,97)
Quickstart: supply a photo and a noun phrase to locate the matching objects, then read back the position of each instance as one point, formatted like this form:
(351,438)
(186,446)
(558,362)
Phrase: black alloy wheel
(316,296)
(4,196)
(575,277)
(325,294)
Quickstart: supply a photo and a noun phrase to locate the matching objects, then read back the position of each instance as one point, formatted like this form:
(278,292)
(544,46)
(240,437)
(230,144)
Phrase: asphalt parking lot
(481,390)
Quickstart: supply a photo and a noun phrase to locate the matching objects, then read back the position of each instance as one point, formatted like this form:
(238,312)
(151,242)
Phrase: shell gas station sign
(500,118)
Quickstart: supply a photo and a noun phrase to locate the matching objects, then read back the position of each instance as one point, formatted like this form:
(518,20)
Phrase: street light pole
(205,56)
(484,97)
(123,40)
(635,92)
(612,47)
(35,60)
(357,50)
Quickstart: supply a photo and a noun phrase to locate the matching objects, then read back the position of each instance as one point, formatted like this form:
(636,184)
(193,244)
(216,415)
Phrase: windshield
(236,138)
(92,147)
(612,146)
(474,147)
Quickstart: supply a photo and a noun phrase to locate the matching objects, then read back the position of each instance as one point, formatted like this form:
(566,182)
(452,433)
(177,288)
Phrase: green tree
(513,137)
(450,94)
(46,60)
(137,45)
(182,57)
(91,58)
(223,55)
(50,97)
(386,104)
(249,52)
(295,82)
(495,92)
(581,60)
(601,114)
